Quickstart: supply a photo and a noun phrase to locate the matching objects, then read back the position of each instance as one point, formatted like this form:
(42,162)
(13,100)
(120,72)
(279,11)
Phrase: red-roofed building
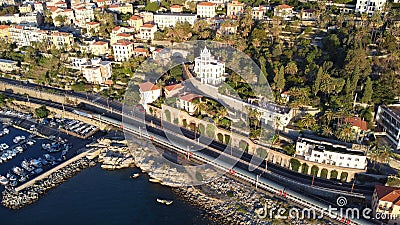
(284,11)
(206,9)
(186,102)
(172,90)
(147,31)
(357,123)
(176,8)
(123,50)
(99,48)
(93,27)
(386,202)
(141,52)
(149,92)
(136,22)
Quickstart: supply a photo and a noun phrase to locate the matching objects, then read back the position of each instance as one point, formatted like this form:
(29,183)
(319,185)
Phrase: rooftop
(206,4)
(190,97)
(173,87)
(148,86)
(100,43)
(388,194)
(332,145)
(357,122)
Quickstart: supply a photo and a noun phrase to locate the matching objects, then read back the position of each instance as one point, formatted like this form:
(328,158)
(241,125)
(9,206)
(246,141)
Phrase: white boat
(19,149)
(169,202)
(154,180)
(136,175)
(4,146)
(6,131)
(17,170)
(18,139)
(3,180)
(4,157)
(161,201)
(9,156)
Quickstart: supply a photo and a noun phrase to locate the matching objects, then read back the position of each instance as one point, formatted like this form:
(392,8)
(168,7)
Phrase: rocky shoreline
(16,200)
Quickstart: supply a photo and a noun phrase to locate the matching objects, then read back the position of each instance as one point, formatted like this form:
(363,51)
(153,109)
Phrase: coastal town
(288,103)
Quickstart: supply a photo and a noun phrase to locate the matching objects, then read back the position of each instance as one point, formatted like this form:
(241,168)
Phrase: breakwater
(31,193)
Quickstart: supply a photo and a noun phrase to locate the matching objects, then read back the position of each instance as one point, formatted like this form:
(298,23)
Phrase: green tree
(152,7)
(317,82)
(42,112)
(279,79)
(367,94)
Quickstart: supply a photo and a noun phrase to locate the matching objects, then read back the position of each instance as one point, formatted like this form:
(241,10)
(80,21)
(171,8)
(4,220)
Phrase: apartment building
(147,31)
(136,22)
(165,20)
(234,8)
(206,9)
(29,19)
(388,120)
(97,71)
(83,15)
(123,50)
(99,48)
(331,152)
(370,6)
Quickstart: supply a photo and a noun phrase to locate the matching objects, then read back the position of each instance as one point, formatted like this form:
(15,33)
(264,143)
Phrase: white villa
(149,92)
(209,69)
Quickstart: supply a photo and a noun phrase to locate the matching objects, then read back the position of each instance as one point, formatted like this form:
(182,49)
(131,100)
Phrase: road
(115,112)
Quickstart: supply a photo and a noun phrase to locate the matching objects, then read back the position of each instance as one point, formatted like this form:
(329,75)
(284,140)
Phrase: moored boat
(135,175)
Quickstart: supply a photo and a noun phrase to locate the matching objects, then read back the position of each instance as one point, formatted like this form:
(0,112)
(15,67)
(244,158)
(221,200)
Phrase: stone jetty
(17,199)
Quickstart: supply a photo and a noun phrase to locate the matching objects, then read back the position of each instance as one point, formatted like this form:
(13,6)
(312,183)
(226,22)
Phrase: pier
(47,173)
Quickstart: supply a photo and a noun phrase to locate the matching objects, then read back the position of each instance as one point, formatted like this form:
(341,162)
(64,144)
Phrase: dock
(52,170)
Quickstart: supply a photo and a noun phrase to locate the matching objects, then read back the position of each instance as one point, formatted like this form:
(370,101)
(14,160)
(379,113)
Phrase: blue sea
(99,197)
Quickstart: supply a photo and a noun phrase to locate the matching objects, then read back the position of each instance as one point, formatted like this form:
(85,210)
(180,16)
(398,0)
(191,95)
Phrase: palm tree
(327,131)
(199,105)
(373,155)
(345,132)
(308,121)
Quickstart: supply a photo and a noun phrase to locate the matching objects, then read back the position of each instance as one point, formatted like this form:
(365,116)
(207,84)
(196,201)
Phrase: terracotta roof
(140,50)
(100,43)
(388,194)
(158,50)
(148,25)
(190,97)
(147,86)
(92,23)
(113,6)
(123,43)
(2,27)
(124,35)
(173,87)
(357,122)
(68,10)
(176,6)
(284,6)
(206,4)
(116,28)
(134,17)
